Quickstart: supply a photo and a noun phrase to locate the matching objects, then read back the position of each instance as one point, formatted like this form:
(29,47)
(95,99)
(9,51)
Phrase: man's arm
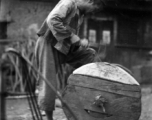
(56,20)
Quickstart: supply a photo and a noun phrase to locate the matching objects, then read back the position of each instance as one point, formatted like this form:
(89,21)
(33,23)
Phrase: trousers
(48,60)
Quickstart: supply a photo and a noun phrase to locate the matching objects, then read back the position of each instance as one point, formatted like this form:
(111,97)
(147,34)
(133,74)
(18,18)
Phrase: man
(59,43)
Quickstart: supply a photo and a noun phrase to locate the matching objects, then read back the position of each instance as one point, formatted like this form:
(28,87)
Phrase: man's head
(90,6)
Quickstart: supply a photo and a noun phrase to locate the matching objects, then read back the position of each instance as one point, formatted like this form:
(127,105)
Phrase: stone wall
(26,18)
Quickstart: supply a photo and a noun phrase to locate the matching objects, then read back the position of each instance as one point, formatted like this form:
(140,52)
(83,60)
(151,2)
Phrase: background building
(121,33)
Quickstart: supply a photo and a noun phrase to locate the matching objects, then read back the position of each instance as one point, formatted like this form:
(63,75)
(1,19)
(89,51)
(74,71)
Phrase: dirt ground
(18,108)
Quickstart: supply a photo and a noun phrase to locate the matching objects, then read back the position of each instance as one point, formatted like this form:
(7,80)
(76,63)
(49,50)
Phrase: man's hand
(84,43)
(79,42)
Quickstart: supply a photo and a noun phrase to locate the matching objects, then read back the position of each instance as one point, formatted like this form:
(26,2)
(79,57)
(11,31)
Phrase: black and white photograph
(75,59)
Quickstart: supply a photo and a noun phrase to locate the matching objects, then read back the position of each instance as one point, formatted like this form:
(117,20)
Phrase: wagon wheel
(32,100)
(28,63)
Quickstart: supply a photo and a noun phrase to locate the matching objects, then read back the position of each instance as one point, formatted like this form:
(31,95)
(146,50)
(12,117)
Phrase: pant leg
(46,63)
(81,56)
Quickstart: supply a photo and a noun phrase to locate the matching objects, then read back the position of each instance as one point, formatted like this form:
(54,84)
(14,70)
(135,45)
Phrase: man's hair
(103,2)
(93,2)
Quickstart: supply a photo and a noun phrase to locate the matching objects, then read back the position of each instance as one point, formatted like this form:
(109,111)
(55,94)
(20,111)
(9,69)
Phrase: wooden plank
(105,85)
(75,104)
(2,97)
(118,107)
(105,82)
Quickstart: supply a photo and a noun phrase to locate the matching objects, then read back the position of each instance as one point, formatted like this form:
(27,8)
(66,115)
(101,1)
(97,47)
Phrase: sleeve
(56,20)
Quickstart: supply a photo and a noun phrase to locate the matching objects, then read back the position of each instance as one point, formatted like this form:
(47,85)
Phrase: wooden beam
(2,97)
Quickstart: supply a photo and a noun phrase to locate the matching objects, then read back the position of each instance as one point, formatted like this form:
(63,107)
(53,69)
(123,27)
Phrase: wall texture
(26,18)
